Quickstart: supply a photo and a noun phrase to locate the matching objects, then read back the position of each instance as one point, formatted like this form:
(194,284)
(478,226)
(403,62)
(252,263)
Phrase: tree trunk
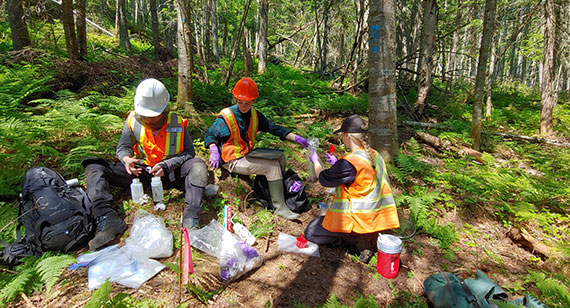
(262,36)
(382,79)
(454,45)
(207,29)
(69,29)
(20,34)
(490,73)
(486,37)
(81,28)
(170,31)
(155,30)
(325,37)
(427,43)
(124,41)
(247,60)
(215,44)
(548,87)
(185,56)
(236,41)
(317,42)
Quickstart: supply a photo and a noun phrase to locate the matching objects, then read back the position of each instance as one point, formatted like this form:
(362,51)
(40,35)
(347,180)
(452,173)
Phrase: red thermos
(389,249)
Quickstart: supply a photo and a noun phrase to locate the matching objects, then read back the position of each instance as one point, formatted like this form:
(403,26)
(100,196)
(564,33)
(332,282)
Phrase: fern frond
(51,268)
(12,289)
(333,302)
(366,302)
(100,296)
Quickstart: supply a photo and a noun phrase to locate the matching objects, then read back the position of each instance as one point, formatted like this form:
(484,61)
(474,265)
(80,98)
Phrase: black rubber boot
(108,227)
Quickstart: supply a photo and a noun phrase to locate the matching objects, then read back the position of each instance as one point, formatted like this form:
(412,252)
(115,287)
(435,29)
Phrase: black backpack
(296,201)
(55,215)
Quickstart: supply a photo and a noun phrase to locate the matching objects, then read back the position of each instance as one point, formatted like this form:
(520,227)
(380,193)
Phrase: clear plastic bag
(236,257)
(149,237)
(288,243)
(121,267)
(313,145)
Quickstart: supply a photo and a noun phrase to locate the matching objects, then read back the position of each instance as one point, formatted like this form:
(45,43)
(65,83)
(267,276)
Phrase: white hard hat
(151,98)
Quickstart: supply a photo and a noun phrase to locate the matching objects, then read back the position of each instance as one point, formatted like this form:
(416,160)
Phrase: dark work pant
(100,175)
(319,235)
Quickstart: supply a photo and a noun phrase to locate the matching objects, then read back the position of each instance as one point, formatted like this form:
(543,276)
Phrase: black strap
(470,297)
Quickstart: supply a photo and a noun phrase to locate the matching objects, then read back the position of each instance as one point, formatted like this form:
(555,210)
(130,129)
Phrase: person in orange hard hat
(232,136)
(363,203)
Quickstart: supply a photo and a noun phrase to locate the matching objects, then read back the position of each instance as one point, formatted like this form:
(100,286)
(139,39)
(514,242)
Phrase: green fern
(16,286)
(51,268)
(408,167)
(333,302)
(101,296)
(555,292)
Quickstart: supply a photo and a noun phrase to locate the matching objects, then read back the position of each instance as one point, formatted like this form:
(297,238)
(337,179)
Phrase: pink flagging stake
(187,266)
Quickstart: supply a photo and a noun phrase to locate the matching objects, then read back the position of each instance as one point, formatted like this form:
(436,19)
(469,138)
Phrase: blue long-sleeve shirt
(219,132)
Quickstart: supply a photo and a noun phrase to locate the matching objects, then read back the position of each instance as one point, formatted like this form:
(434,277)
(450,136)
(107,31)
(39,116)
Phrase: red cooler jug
(389,249)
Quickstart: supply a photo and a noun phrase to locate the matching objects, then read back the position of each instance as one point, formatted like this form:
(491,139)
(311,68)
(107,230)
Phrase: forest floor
(288,279)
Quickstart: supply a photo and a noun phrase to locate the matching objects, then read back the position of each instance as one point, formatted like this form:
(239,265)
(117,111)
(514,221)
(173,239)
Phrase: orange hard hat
(245,89)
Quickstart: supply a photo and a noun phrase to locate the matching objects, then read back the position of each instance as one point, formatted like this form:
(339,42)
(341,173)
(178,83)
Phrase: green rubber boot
(278,200)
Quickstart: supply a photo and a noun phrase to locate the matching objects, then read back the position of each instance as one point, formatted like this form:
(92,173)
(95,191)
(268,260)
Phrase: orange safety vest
(169,141)
(367,205)
(236,147)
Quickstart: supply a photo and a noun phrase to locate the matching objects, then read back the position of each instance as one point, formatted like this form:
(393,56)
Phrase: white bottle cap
(136,180)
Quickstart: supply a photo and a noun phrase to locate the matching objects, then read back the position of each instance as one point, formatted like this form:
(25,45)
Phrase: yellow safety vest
(236,147)
(367,205)
(169,142)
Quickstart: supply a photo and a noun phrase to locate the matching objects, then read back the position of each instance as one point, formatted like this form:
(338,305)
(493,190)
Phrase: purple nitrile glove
(214,156)
(295,186)
(248,251)
(302,141)
(331,158)
(314,157)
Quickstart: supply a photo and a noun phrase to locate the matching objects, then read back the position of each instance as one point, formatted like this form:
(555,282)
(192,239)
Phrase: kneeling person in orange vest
(233,134)
(362,204)
(155,137)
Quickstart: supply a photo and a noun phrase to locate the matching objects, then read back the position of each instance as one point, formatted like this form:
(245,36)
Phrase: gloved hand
(214,156)
(302,141)
(331,158)
(295,186)
(314,157)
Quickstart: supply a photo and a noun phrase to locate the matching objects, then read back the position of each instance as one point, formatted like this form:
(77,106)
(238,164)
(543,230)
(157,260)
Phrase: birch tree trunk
(486,37)
(185,55)
(18,27)
(155,29)
(207,30)
(124,41)
(215,44)
(382,79)
(262,36)
(548,87)
(427,43)
(81,28)
(69,29)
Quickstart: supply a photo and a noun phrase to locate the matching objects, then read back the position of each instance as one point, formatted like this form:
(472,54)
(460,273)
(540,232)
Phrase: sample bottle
(157,193)
(136,190)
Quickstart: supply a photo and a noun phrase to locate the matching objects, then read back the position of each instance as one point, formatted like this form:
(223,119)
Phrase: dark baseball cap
(353,124)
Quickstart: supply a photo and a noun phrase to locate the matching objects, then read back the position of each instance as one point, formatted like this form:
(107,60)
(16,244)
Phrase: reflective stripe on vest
(169,141)
(367,205)
(236,147)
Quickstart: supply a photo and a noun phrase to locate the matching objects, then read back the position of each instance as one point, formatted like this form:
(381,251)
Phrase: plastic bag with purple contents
(236,257)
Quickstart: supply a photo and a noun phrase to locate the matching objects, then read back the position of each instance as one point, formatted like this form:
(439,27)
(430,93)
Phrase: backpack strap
(470,297)
(86,222)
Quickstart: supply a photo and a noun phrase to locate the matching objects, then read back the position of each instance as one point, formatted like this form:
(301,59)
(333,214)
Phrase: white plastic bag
(236,257)
(149,237)
(286,242)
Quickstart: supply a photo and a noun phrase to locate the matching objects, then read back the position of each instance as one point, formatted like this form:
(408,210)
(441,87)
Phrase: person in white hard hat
(154,142)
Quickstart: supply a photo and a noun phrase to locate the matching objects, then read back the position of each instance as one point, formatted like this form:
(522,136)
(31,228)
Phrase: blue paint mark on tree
(375,49)
(374,33)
